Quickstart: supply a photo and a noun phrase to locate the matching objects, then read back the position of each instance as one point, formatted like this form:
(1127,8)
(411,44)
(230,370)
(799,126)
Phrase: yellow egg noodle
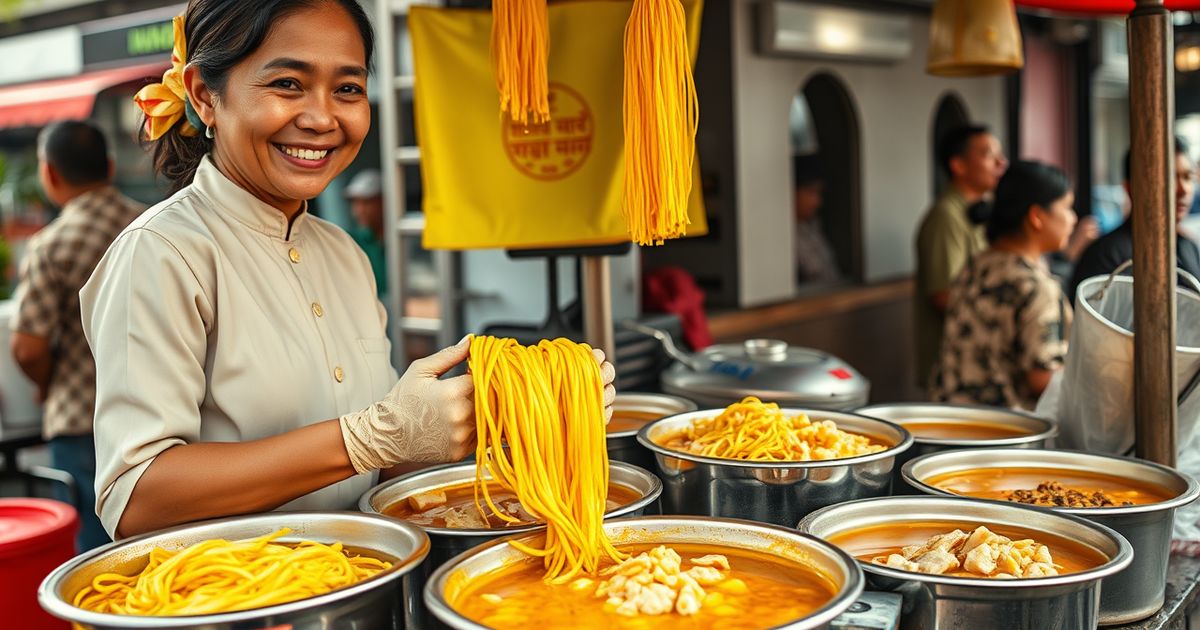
(758,431)
(520,44)
(539,412)
(217,576)
(660,118)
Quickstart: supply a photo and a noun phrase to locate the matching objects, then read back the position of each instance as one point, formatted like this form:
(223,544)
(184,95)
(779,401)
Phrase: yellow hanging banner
(492,183)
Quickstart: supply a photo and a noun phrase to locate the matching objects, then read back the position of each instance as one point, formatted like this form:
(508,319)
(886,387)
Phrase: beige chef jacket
(210,322)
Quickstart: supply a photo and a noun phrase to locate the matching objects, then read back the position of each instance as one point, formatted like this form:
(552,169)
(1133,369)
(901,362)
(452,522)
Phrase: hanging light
(973,38)
(1187,57)
(1104,7)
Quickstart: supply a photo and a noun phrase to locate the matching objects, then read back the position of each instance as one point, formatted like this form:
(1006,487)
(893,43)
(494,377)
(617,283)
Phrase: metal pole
(1152,112)
(597,306)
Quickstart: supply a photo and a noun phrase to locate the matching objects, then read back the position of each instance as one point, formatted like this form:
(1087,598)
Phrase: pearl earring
(209,133)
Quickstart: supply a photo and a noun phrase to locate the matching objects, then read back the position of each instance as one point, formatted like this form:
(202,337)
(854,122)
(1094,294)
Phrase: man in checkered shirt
(48,342)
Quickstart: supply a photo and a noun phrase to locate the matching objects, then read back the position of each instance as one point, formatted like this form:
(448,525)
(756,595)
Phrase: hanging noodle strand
(520,45)
(660,118)
(540,418)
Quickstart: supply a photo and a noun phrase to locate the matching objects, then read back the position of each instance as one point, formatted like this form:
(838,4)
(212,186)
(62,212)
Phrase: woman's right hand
(421,420)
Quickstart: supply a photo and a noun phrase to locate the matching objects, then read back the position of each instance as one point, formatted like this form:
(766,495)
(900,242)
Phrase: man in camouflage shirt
(48,342)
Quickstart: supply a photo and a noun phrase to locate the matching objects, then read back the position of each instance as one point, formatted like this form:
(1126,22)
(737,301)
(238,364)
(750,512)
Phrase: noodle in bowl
(371,602)
(778,492)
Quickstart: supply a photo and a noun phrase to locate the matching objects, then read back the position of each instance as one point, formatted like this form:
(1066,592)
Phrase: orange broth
(462,496)
(946,429)
(629,420)
(995,483)
(777,592)
(880,541)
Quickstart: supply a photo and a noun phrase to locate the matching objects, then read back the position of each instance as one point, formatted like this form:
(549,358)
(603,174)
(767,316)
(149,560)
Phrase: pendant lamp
(974,38)
(1104,7)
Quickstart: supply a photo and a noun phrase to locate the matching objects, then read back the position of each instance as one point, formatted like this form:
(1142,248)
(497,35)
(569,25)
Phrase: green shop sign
(130,42)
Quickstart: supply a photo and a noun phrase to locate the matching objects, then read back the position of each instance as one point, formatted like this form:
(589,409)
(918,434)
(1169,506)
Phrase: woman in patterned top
(1007,320)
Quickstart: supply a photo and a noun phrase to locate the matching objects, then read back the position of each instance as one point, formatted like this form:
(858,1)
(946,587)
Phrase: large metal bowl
(623,445)
(373,603)
(1039,431)
(445,543)
(939,602)
(772,492)
(781,543)
(1136,592)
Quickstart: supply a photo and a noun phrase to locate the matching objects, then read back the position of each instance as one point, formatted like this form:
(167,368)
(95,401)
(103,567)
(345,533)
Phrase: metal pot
(767,368)
(1039,430)
(1063,602)
(772,492)
(445,543)
(781,543)
(374,603)
(623,445)
(1136,592)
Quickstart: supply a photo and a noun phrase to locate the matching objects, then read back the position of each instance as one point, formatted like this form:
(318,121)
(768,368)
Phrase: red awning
(1104,7)
(35,104)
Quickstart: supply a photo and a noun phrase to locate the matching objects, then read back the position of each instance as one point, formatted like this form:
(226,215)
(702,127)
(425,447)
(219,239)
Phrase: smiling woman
(242,358)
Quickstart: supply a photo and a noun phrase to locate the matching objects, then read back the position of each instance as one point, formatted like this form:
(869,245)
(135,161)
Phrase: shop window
(951,113)
(826,184)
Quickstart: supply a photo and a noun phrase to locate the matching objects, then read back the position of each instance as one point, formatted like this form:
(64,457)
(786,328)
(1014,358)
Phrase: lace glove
(421,420)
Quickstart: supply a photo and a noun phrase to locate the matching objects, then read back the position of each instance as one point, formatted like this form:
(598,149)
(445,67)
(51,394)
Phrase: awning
(35,104)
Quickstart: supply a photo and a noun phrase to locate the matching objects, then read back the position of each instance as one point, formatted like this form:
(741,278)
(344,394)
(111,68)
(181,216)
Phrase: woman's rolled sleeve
(146,317)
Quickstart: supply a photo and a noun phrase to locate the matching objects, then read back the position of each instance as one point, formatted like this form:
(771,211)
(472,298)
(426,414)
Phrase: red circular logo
(555,149)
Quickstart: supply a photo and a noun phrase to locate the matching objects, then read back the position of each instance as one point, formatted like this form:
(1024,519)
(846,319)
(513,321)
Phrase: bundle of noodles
(660,118)
(540,417)
(757,431)
(520,45)
(217,576)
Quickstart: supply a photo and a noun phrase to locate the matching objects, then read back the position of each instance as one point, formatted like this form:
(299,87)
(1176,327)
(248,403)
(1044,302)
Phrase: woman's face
(294,113)
(1058,221)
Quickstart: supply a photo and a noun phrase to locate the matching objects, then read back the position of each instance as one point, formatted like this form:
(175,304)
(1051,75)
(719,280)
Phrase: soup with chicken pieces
(955,429)
(453,507)
(968,550)
(1050,487)
(683,586)
(629,420)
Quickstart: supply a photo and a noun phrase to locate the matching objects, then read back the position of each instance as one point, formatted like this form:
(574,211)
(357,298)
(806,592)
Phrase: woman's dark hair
(1024,185)
(220,34)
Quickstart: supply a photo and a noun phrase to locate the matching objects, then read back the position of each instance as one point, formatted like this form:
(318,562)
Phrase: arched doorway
(951,113)
(829,141)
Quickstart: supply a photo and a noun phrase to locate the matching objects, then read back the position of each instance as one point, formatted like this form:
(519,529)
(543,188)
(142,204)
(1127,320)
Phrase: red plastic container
(36,535)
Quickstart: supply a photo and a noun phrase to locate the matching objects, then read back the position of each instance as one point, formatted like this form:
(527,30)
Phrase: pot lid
(769,369)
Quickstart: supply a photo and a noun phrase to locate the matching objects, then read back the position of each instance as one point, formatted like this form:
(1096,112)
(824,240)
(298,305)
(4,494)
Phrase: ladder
(404,226)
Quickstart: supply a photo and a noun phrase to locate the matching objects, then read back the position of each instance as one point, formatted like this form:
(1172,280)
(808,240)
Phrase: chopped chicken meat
(426,500)
(654,583)
(982,553)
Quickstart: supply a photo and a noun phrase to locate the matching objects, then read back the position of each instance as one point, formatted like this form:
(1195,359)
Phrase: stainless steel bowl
(1136,592)
(781,543)
(772,492)
(445,543)
(1039,430)
(374,603)
(1063,602)
(623,445)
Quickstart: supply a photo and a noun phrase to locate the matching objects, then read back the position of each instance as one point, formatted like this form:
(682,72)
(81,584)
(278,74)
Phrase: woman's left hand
(608,373)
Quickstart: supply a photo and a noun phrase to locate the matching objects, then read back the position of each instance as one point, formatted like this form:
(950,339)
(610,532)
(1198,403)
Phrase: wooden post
(1152,113)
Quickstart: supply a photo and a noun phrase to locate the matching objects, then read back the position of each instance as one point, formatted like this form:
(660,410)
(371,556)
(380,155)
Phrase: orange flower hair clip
(165,103)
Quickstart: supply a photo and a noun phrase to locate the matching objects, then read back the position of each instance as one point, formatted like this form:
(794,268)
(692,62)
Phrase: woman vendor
(1007,322)
(243,360)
